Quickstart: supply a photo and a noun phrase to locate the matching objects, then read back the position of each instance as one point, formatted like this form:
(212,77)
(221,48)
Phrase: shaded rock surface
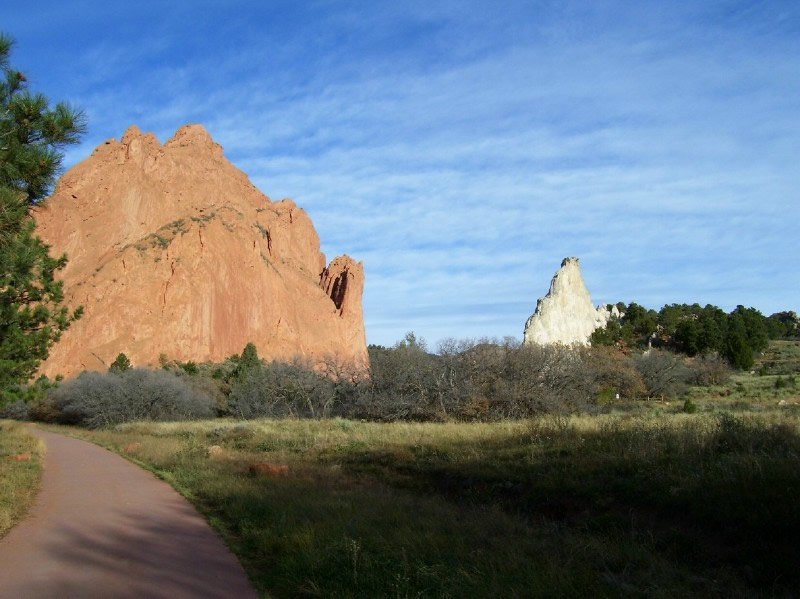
(172,250)
(566,314)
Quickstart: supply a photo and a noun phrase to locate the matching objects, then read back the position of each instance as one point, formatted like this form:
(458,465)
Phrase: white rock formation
(566,314)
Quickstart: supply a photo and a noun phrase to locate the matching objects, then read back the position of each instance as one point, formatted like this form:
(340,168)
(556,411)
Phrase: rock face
(566,314)
(173,251)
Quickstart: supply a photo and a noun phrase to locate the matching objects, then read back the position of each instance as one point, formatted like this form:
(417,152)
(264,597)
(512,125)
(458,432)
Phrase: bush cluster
(462,381)
(96,399)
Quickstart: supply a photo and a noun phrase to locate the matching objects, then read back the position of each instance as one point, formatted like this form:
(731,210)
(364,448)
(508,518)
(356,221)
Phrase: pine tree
(31,137)
(249,359)
(737,351)
(121,364)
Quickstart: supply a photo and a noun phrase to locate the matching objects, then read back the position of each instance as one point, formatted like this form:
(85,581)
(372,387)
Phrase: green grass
(618,505)
(781,357)
(750,393)
(19,480)
(773,386)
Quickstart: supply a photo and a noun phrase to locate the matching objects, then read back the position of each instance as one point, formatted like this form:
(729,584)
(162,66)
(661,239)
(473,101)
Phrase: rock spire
(566,314)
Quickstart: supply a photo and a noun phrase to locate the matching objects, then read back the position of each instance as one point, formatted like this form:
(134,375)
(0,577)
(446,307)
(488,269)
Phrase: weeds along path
(101,527)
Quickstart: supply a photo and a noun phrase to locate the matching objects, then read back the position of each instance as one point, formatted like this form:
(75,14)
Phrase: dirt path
(101,527)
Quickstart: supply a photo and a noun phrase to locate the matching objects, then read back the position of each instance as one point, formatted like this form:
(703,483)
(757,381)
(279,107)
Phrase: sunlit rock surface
(172,250)
(566,314)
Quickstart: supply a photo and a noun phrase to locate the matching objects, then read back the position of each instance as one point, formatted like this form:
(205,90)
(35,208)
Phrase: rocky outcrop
(172,250)
(566,314)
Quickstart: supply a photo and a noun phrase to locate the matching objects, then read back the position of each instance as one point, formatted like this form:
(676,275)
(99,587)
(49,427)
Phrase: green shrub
(689,407)
(605,396)
(121,364)
(190,367)
(29,393)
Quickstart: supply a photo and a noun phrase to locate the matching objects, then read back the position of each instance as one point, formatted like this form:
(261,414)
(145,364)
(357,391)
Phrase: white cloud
(463,152)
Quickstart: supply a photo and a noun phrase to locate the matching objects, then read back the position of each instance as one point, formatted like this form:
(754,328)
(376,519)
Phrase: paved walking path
(101,527)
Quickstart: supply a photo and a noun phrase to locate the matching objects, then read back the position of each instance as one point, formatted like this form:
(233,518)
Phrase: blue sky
(462,149)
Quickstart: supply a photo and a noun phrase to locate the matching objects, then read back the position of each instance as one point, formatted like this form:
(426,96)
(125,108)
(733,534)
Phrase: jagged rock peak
(566,314)
(195,136)
(172,250)
(131,133)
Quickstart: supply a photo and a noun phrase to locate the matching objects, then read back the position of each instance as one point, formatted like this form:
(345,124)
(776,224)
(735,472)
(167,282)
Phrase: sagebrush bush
(465,381)
(614,372)
(100,399)
(664,373)
(17,410)
(485,380)
(709,369)
(280,390)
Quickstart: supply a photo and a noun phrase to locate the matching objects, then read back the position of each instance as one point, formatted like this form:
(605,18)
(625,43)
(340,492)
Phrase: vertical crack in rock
(339,290)
(265,233)
(200,235)
(166,285)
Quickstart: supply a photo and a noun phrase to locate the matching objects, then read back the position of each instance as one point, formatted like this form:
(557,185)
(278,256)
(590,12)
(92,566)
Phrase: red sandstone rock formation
(173,251)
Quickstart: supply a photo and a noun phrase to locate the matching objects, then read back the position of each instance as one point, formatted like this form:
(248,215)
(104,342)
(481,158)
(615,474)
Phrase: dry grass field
(19,477)
(657,503)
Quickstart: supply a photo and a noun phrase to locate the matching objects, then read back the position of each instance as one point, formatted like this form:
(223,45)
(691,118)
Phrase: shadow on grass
(710,495)
(653,508)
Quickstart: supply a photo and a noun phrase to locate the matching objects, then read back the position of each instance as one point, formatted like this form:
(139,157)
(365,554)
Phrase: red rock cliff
(173,251)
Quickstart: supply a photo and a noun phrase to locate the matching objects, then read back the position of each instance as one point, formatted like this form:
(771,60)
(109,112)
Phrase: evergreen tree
(783,324)
(643,322)
(737,351)
(633,329)
(713,324)
(121,364)
(687,337)
(248,361)
(607,335)
(249,356)
(31,137)
(754,325)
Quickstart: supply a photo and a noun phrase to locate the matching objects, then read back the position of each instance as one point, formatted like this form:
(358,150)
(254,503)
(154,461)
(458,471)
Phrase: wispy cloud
(461,151)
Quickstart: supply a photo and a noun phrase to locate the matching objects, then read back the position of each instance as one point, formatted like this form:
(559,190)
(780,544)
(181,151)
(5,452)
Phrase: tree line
(693,330)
